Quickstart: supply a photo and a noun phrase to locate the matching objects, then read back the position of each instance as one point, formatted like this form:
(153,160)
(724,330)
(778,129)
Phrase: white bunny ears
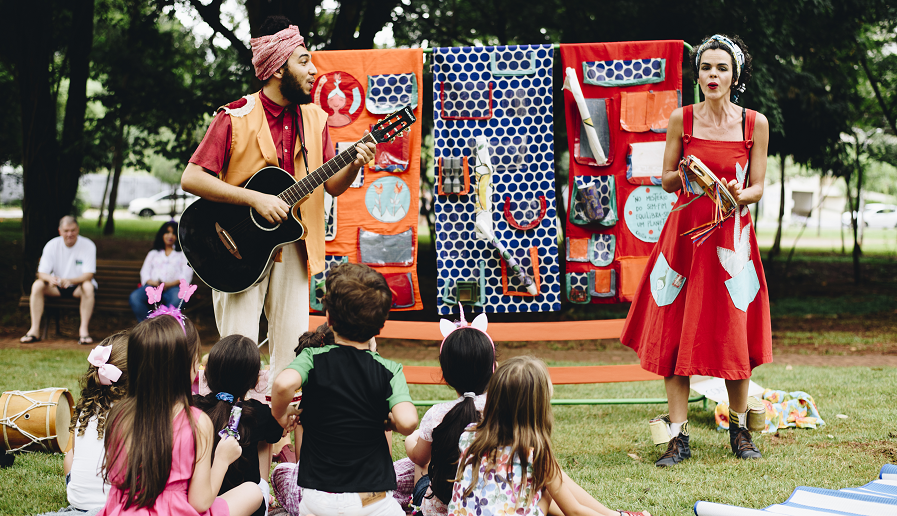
(480,323)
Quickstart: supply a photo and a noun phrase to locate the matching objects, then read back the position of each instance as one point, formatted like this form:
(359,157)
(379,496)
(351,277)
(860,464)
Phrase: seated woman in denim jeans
(164,265)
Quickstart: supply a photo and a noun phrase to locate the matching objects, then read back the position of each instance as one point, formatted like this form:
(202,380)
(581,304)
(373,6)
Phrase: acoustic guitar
(232,247)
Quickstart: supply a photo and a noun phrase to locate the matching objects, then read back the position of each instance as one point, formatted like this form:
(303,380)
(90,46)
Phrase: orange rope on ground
(504,332)
(425,375)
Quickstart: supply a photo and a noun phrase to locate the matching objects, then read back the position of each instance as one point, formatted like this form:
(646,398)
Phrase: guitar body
(256,240)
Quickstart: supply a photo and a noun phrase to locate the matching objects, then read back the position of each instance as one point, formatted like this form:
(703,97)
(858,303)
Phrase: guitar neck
(305,186)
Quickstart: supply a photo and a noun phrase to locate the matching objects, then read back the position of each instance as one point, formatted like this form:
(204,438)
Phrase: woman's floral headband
(154,295)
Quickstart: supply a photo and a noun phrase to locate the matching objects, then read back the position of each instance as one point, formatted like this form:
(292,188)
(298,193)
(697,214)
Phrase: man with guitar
(277,126)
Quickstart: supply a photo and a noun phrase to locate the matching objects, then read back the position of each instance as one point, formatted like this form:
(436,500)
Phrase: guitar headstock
(394,123)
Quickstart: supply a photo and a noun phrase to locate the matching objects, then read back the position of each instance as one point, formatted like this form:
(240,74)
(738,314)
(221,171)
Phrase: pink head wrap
(99,357)
(269,53)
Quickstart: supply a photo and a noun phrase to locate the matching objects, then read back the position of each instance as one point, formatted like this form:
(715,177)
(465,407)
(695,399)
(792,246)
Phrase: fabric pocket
(582,151)
(471,100)
(507,62)
(593,200)
(316,285)
(642,111)
(601,249)
(508,153)
(380,250)
(578,288)
(603,283)
(453,176)
(402,287)
(390,92)
(624,72)
(511,284)
(631,270)
(665,282)
(533,210)
(392,156)
(644,163)
(743,287)
(577,249)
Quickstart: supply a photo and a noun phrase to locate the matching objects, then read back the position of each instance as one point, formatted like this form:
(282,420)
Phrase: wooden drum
(37,420)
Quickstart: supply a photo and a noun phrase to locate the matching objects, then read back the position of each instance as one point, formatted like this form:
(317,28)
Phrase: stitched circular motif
(341,96)
(388,199)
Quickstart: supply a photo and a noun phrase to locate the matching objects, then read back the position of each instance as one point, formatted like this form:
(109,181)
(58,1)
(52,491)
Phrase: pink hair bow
(99,357)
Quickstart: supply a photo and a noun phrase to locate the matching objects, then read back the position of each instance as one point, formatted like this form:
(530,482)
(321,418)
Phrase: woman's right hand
(228,450)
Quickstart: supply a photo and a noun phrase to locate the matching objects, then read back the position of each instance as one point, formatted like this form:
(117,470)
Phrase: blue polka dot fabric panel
(520,131)
(512,62)
(329,217)
(601,249)
(465,100)
(316,285)
(593,189)
(578,288)
(624,72)
(387,93)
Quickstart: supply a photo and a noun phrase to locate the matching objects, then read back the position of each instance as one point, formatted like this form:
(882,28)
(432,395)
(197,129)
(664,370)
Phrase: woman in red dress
(703,308)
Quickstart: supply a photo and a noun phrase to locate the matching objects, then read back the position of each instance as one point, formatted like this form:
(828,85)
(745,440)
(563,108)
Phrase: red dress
(704,309)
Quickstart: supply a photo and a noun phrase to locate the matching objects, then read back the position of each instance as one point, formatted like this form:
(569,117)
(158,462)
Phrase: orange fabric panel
(631,270)
(351,210)
(661,105)
(602,280)
(634,111)
(424,375)
(579,248)
(504,332)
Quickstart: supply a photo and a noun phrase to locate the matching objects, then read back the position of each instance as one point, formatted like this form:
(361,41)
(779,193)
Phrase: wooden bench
(116,280)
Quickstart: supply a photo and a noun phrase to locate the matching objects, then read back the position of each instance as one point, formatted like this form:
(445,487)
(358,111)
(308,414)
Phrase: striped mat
(877,498)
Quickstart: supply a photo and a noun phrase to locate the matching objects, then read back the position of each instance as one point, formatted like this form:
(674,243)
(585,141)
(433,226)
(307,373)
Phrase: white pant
(283,294)
(320,503)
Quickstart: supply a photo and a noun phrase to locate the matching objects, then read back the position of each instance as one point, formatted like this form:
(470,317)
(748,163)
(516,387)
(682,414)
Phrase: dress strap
(750,116)
(687,122)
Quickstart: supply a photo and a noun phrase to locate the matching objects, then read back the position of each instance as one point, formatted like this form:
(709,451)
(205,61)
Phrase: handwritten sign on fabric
(646,211)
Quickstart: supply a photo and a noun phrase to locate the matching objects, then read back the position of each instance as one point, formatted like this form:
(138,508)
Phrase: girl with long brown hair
(506,460)
(159,448)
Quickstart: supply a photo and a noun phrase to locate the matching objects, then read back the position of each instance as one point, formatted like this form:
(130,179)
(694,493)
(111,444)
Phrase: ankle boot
(742,445)
(677,449)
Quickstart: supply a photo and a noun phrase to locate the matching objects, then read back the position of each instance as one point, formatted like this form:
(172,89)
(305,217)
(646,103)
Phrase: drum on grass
(37,420)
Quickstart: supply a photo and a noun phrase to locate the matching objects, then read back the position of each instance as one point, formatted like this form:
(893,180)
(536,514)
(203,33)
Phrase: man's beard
(292,90)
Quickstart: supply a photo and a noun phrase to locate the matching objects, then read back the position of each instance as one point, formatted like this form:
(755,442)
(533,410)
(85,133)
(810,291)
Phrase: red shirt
(213,152)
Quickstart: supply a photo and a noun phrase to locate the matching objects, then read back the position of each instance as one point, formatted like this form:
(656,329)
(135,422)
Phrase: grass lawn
(606,449)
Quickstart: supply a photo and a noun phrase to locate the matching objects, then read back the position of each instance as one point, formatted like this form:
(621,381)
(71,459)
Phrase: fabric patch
(743,288)
(316,285)
(646,211)
(340,95)
(470,100)
(578,249)
(594,199)
(388,199)
(642,111)
(392,156)
(632,268)
(511,61)
(470,292)
(644,163)
(665,282)
(603,283)
(578,288)
(402,288)
(453,175)
(508,153)
(532,211)
(386,250)
(389,92)
(624,72)
(329,217)
(601,249)
(582,151)
(529,263)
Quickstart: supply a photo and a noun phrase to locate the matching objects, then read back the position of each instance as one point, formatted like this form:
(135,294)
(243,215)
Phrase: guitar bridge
(228,242)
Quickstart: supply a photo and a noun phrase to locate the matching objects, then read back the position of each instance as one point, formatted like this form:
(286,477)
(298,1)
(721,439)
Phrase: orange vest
(252,148)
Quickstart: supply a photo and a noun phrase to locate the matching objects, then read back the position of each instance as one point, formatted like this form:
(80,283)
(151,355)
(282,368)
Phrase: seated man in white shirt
(67,266)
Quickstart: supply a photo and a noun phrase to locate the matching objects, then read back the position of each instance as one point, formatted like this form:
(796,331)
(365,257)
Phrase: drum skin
(37,420)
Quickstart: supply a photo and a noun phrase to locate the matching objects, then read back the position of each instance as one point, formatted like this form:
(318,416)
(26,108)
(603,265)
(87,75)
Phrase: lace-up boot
(740,437)
(677,449)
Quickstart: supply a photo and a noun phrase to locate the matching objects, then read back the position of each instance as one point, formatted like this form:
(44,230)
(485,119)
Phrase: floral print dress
(499,486)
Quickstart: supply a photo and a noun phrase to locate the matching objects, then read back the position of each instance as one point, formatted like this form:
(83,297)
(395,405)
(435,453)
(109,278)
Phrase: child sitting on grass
(231,371)
(104,383)
(350,395)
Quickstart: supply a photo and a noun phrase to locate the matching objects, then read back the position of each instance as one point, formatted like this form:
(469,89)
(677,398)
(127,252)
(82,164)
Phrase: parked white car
(161,203)
(875,216)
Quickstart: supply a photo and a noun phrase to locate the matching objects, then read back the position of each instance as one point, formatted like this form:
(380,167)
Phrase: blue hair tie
(223,396)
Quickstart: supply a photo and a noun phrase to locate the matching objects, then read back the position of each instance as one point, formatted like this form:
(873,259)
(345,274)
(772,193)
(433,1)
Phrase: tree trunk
(776,248)
(103,201)
(118,158)
(856,243)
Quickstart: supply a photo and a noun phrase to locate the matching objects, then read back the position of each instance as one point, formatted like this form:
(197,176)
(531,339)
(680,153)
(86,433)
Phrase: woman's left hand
(736,190)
